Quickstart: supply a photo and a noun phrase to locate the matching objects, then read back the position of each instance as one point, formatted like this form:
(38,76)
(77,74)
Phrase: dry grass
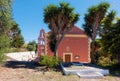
(23,74)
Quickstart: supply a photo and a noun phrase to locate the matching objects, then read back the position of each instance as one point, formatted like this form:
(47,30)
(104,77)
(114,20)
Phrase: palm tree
(60,20)
(93,22)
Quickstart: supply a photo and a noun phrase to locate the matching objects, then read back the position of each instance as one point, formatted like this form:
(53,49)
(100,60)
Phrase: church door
(67,58)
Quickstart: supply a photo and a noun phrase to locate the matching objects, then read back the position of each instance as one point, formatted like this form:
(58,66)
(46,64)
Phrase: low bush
(2,56)
(49,61)
(106,61)
(31,46)
(4,45)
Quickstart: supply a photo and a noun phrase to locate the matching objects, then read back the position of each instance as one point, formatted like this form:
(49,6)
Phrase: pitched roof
(76,30)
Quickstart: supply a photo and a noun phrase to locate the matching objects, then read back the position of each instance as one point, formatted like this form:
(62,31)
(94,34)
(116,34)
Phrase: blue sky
(29,14)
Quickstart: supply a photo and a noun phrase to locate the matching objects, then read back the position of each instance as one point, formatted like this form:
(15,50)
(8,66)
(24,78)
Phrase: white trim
(67,54)
(76,35)
(46,44)
(73,35)
(89,50)
(57,54)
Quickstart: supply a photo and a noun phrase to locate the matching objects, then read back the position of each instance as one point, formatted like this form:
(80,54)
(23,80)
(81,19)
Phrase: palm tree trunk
(93,43)
(57,44)
(93,52)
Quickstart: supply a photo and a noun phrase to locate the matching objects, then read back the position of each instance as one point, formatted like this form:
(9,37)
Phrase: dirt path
(26,71)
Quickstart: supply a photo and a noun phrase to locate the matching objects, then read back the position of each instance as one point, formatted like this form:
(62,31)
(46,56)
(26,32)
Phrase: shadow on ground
(30,65)
(21,64)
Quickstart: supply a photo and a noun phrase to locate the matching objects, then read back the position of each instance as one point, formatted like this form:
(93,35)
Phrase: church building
(74,47)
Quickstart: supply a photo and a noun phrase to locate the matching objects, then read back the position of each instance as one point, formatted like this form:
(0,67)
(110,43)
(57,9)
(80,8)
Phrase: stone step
(90,75)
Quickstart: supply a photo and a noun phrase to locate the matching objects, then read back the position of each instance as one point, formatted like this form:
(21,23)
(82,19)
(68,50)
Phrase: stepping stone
(90,75)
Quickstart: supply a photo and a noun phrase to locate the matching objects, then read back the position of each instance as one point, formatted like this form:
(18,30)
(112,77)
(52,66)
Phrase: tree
(115,47)
(60,20)
(31,46)
(93,19)
(4,45)
(17,41)
(97,49)
(111,36)
(8,26)
(15,35)
(5,24)
(5,16)
(107,33)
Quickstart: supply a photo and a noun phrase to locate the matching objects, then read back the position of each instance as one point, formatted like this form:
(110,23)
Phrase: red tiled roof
(76,30)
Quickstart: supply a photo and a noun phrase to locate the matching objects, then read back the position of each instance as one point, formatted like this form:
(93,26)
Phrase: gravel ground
(24,71)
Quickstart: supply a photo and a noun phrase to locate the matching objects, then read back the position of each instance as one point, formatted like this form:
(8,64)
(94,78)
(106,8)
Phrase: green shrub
(2,56)
(49,61)
(4,45)
(31,46)
(106,61)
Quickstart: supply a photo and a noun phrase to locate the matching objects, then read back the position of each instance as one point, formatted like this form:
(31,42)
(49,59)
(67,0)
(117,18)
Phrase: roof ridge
(76,30)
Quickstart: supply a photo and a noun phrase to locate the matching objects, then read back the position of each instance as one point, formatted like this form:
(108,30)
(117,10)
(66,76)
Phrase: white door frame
(67,54)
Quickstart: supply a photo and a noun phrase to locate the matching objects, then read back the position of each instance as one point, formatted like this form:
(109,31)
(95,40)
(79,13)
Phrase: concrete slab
(84,71)
(90,75)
